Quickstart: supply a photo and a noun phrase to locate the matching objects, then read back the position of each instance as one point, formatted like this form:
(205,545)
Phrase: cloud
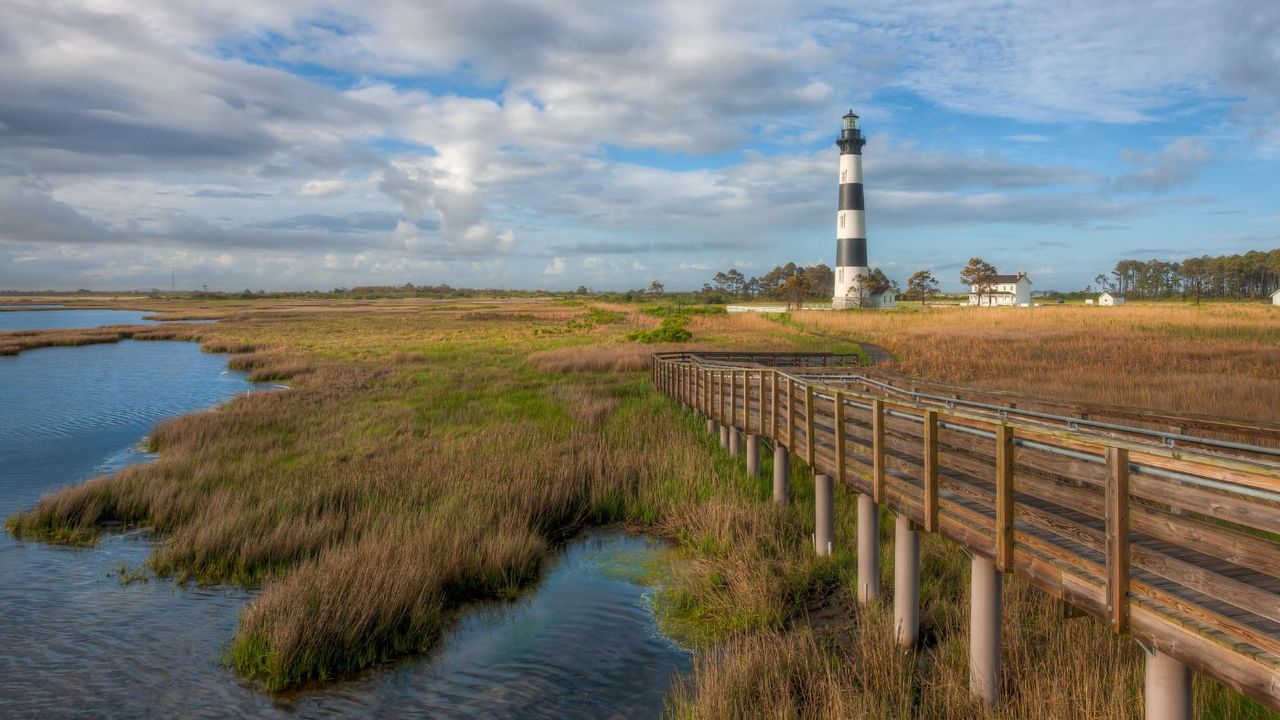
(900,168)
(369,221)
(322,188)
(1177,163)
(470,138)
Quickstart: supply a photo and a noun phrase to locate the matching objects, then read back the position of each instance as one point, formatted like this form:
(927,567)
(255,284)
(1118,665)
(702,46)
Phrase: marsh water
(48,318)
(76,641)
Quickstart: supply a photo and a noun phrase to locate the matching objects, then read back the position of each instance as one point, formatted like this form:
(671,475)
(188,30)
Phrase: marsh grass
(1217,358)
(426,459)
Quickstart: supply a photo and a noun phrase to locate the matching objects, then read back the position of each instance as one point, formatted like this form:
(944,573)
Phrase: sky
(312,144)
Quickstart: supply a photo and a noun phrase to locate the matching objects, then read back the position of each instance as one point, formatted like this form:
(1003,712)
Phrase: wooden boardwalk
(1165,526)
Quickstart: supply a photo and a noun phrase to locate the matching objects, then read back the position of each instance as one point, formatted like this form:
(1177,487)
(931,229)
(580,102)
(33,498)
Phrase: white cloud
(322,188)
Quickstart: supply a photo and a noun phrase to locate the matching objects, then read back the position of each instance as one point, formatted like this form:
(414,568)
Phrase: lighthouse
(851,289)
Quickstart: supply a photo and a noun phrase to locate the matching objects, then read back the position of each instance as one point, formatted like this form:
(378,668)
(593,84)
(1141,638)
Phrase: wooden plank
(931,470)
(877,450)
(808,422)
(1117,511)
(1004,497)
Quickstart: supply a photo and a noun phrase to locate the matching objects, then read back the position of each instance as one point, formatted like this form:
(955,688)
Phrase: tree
(921,285)
(877,282)
(656,288)
(731,282)
(794,289)
(979,275)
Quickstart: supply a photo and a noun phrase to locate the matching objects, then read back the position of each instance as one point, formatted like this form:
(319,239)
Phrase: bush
(671,330)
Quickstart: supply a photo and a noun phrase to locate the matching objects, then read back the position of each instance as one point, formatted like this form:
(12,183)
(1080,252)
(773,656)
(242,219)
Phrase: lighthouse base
(885,299)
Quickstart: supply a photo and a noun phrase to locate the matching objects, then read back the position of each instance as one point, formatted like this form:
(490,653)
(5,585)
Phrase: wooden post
(732,401)
(724,401)
(781,474)
(824,501)
(791,414)
(877,450)
(931,470)
(808,423)
(1117,517)
(985,585)
(906,582)
(1004,498)
(753,454)
(868,549)
(760,427)
(839,429)
(1167,688)
(775,409)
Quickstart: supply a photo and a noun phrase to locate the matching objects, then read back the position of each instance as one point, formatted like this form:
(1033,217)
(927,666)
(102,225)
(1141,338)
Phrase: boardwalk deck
(1165,526)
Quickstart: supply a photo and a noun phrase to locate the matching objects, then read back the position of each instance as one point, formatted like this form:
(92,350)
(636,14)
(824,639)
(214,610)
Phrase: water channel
(76,641)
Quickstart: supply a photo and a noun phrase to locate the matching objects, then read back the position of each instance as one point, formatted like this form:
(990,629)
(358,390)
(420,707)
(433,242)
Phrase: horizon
(527,147)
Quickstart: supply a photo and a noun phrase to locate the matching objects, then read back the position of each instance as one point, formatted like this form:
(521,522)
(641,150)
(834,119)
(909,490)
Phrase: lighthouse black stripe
(851,252)
(851,196)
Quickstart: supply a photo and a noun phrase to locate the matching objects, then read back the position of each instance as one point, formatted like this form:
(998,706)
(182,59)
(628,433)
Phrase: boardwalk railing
(1166,527)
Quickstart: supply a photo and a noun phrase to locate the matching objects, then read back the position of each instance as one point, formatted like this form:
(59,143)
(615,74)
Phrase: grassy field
(431,453)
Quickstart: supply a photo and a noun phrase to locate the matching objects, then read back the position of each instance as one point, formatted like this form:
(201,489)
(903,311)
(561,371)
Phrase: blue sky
(536,144)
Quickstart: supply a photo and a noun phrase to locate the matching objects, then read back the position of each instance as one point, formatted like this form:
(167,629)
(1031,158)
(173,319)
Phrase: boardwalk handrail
(1171,439)
(1176,543)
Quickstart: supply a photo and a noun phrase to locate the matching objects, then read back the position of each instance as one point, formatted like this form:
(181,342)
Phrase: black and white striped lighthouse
(851,225)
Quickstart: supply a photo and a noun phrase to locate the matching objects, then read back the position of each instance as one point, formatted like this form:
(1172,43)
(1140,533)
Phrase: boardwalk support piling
(868,549)
(753,455)
(824,502)
(1168,688)
(984,630)
(734,440)
(724,436)
(711,426)
(781,474)
(906,582)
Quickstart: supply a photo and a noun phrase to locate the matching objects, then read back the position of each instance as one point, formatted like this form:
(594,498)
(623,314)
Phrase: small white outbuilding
(1275,298)
(1110,299)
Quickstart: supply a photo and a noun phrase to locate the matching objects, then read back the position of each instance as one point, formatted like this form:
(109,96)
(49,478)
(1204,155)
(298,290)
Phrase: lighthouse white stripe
(851,168)
(851,224)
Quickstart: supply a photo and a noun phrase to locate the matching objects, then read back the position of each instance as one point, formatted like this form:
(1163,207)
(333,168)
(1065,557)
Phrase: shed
(1110,298)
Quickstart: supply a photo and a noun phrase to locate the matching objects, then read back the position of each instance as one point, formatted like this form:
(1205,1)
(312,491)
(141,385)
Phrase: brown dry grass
(1217,359)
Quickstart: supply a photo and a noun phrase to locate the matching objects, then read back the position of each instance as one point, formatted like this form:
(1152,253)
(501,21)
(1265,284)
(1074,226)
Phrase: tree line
(1255,274)
(796,284)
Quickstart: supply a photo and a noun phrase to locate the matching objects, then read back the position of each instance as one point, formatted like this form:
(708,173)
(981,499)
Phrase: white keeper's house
(1275,298)
(1110,299)
(1008,290)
